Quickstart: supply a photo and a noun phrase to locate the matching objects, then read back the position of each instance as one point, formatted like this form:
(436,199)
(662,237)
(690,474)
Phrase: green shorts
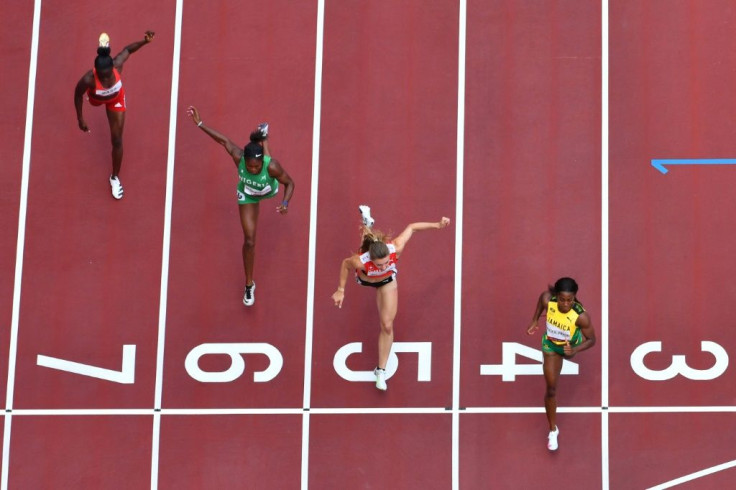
(244,198)
(549,346)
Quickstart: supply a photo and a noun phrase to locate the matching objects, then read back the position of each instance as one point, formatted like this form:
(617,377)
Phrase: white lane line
(173,112)
(45,412)
(457,306)
(604,245)
(20,246)
(681,409)
(309,327)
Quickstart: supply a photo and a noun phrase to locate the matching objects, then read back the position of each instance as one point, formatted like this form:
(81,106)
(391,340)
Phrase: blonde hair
(374,242)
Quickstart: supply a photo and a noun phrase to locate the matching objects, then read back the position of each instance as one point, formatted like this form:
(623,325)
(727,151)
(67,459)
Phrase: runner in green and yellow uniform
(259,178)
(569,331)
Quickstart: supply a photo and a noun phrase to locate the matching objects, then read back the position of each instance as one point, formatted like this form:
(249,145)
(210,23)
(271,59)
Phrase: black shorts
(375,284)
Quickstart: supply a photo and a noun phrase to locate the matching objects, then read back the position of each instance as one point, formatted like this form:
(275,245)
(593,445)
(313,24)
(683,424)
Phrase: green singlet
(253,188)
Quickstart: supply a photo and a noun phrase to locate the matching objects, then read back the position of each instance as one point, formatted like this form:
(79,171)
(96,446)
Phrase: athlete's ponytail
(103,60)
(374,242)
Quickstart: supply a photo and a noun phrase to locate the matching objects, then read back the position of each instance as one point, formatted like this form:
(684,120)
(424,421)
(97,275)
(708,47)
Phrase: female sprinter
(260,176)
(569,331)
(103,85)
(375,266)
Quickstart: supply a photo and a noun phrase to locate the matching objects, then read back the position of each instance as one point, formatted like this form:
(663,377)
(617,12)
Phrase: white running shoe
(365,215)
(380,378)
(263,128)
(250,296)
(552,439)
(117,187)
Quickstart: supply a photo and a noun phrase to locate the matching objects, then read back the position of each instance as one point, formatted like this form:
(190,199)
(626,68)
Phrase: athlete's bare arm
(541,306)
(404,236)
(85,83)
(131,48)
(351,263)
(235,151)
(276,171)
(586,328)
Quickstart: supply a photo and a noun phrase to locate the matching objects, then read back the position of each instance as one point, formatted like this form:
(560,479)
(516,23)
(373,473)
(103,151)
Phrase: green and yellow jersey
(561,327)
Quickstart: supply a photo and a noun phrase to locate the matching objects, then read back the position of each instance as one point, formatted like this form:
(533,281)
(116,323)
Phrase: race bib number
(557,332)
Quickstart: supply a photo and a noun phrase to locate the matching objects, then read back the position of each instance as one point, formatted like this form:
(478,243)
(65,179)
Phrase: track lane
(671,259)
(230,451)
(417,456)
(92,265)
(670,446)
(237,79)
(15,37)
(532,187)
(492,445)
(670,234)
(532,215)
(102,452)
(388,127)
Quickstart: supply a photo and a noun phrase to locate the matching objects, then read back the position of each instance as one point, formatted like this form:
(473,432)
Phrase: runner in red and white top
(372,271)
(113,97)
(104,86)
(375,266)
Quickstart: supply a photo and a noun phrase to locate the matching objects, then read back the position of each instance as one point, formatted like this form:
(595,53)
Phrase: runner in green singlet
(259,178)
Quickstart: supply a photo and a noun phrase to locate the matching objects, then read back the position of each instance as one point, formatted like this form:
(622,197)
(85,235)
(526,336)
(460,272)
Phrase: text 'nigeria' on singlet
(101,91)
(371,270)
(561,327)
(261,184)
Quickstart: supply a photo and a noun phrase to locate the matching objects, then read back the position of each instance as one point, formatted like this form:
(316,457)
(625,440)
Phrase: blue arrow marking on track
(660,164)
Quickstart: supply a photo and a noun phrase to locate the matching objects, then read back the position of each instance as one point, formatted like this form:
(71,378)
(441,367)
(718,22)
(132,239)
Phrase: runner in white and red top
(373,272)
(375,266)
(103,86)
(113,97)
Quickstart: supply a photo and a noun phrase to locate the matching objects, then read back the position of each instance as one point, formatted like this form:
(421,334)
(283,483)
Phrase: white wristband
(200,123)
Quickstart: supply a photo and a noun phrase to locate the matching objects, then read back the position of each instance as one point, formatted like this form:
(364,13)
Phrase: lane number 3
(679,365)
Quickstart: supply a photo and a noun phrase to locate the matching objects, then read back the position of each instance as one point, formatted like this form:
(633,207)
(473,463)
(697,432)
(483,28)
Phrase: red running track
(15,39)
(670,236)
(531,197)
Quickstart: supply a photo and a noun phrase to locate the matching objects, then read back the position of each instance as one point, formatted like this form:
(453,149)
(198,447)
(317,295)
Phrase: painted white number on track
(237,363)
(509,370)
(679,365)
(424,361)
(126,375)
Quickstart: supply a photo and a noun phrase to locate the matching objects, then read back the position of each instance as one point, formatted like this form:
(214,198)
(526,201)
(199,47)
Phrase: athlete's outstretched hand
(149,36)
(194,114)
(532,328)
(444,222)
(337,297)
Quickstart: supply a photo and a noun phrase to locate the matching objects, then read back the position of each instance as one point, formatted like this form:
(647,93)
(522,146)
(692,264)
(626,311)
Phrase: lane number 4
(509,370)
